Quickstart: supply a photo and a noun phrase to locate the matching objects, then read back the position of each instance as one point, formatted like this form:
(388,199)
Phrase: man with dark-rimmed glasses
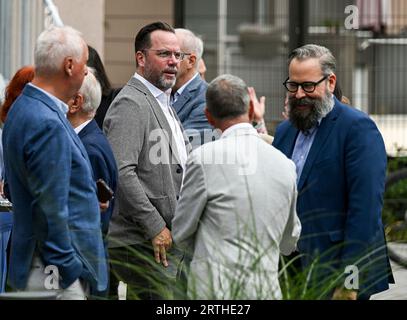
(151,151)
(341,165)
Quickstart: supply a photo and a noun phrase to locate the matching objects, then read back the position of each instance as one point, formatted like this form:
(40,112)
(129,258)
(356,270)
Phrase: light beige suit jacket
(235,215)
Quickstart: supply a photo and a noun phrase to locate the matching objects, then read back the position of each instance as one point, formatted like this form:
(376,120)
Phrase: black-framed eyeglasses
(167,54)
(308,86)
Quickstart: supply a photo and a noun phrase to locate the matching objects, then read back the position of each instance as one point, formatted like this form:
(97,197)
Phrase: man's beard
(158,78)
(306,119)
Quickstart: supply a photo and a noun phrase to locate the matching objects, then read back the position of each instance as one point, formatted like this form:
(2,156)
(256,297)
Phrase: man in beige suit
(237,211)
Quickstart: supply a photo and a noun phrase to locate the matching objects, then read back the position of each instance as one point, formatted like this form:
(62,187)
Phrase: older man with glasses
(341,166)
(188,93)
(151,151)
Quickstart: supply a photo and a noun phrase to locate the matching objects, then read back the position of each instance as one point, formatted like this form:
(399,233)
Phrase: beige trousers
(40,279)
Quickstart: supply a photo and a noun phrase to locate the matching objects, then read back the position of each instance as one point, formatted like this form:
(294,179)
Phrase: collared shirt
(176,95)
(60,104)
(301,149)
(235,127)
(163,99)
(80,127)
(304,143)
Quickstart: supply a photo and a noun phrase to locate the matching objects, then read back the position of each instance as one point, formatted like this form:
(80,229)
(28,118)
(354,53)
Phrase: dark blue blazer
(340,196)
(56,210)
(103,163)
(190,107)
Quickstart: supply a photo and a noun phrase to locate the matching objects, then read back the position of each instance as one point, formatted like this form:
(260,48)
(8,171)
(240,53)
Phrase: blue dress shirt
(301,149)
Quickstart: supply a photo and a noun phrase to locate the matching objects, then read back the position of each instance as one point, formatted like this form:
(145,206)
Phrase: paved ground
(397,291)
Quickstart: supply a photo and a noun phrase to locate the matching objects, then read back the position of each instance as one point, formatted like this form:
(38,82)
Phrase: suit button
(177,198)
(179,170)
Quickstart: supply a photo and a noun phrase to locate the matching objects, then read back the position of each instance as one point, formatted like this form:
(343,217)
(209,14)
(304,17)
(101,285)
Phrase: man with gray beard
(341,167)
(307,119)
(151,151)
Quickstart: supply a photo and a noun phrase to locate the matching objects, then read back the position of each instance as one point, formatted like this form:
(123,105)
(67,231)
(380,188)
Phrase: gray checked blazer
(150,175)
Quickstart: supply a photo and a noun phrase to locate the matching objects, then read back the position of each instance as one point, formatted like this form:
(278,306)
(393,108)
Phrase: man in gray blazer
(151,151)
(237,207)
(188,93)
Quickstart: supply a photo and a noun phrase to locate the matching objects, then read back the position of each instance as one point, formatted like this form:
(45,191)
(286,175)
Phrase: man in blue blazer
(56,210)
(188,93)
(82,110)
(341,166)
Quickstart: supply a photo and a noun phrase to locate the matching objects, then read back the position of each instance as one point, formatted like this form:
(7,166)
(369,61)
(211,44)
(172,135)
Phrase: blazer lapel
(89,128)
(37,94)
(285,138)
(159,115)
(186,94)
(181,101)
(291,138)
(321,136)
(188,145)
(74,137)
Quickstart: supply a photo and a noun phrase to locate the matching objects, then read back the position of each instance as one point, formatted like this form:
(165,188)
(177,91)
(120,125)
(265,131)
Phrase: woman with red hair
(14,89)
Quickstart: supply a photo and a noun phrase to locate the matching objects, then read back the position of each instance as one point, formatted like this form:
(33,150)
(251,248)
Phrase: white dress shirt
(60,104)
(80,127)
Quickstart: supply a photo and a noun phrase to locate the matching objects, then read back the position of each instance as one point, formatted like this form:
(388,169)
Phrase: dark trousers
(296,268)
(145,279)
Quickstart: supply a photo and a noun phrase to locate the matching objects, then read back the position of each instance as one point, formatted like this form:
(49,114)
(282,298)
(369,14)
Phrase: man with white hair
(188,93)
(82,110)
(56,242)
(81,114)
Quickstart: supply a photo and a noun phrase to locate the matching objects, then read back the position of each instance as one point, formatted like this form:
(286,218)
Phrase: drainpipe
(54,13)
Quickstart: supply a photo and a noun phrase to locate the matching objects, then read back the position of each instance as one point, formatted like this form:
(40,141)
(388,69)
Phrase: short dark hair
(143,37)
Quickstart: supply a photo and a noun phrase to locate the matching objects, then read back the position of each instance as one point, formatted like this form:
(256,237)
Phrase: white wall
(87,16)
